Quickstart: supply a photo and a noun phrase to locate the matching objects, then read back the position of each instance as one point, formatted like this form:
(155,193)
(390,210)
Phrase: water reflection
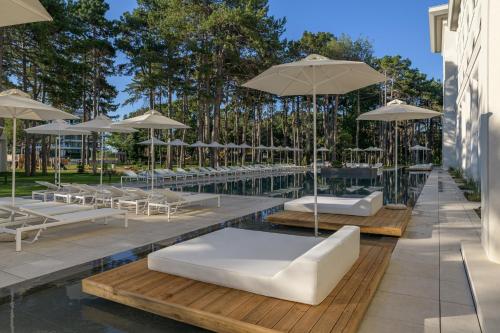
(300,184)
(61,306)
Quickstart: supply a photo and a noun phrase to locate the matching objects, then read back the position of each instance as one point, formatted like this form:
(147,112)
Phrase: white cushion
(366,206)
(296,268)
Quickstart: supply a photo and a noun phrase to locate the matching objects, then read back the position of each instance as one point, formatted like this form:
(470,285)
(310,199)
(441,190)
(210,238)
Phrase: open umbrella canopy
(17,104)
(232,145)
(261,147)
(215,144)
(177,142)
(244,146)
(57,127)
(398,110)
(151,119)
(103,124)
(199,144)
(155,141)
(22,11)
(323,150)
(418,147)
(315,74)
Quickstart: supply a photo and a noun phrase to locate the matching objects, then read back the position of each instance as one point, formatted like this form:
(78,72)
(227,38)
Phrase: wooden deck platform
(223,309)
(386,222)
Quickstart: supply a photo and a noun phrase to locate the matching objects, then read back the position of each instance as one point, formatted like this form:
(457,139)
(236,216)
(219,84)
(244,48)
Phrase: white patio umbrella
(155,141)
(177,143)
(57,128)
(315,75)
(233,146)
(215,145)
(102,124)
(15,12)
(261,148)
(199,145)
(398,110)
(356,151)
(152,120)
(323,151)
(419,148)
(16,104)
(243,147)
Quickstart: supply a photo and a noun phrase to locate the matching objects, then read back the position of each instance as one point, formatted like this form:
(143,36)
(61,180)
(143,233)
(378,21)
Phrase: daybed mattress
(295,268)
(366,206)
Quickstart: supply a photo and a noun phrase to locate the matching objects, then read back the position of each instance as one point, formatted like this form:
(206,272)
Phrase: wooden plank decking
(228,310)
(386,222)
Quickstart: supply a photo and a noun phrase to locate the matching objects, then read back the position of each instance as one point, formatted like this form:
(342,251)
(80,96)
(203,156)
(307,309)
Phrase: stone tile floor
(71,245)
(425,288)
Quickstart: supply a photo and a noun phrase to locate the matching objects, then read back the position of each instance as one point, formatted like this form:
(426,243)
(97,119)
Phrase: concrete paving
(425,288)
(71,245)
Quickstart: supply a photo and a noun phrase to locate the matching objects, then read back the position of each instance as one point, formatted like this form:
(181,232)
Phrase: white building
(467,34)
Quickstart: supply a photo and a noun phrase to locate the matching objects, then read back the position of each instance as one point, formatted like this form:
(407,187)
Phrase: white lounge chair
(366,206)
(137,200)
(44,194)
(49,220)
(295,268)
(170,201)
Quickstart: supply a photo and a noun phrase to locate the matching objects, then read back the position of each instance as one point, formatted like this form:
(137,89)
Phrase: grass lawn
(24,184)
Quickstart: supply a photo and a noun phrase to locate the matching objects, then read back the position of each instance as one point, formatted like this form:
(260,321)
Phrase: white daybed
(366,206)
(295,268)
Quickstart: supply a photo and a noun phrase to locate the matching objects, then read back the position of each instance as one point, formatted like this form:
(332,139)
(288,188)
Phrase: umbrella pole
(102,156)
(14,125)
(396,164)
(199,157)
(59,161)
(152,160)
(315,171)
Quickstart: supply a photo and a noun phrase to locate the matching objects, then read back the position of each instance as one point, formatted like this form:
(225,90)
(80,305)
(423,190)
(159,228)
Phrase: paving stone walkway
(71,245)
(425,288)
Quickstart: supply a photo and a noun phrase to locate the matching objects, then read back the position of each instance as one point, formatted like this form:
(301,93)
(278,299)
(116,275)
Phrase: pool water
(300,184)
(59,305)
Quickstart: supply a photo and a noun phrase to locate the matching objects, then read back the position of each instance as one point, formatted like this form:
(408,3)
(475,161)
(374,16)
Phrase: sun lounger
(129,175)
(51,217)
(170,201)
(366,206)
(137,199)
(295,268)
(44,194)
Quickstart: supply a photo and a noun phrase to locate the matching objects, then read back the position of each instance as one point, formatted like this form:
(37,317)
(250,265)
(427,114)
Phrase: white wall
(461,53)
(489,95)
(450,91)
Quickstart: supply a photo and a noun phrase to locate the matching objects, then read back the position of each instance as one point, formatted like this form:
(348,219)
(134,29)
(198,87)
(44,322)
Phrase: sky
(392,26)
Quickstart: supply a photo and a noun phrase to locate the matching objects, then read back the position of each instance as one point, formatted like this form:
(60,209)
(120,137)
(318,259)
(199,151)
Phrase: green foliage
(188,59)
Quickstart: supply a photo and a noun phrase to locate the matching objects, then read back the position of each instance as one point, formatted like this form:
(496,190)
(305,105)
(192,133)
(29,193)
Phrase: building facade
(467,34)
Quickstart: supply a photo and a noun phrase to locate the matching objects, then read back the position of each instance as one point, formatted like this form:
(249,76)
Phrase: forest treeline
(188,59)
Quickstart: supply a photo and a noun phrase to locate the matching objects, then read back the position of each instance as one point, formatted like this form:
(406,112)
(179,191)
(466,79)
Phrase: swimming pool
(300,184)
(57,303)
